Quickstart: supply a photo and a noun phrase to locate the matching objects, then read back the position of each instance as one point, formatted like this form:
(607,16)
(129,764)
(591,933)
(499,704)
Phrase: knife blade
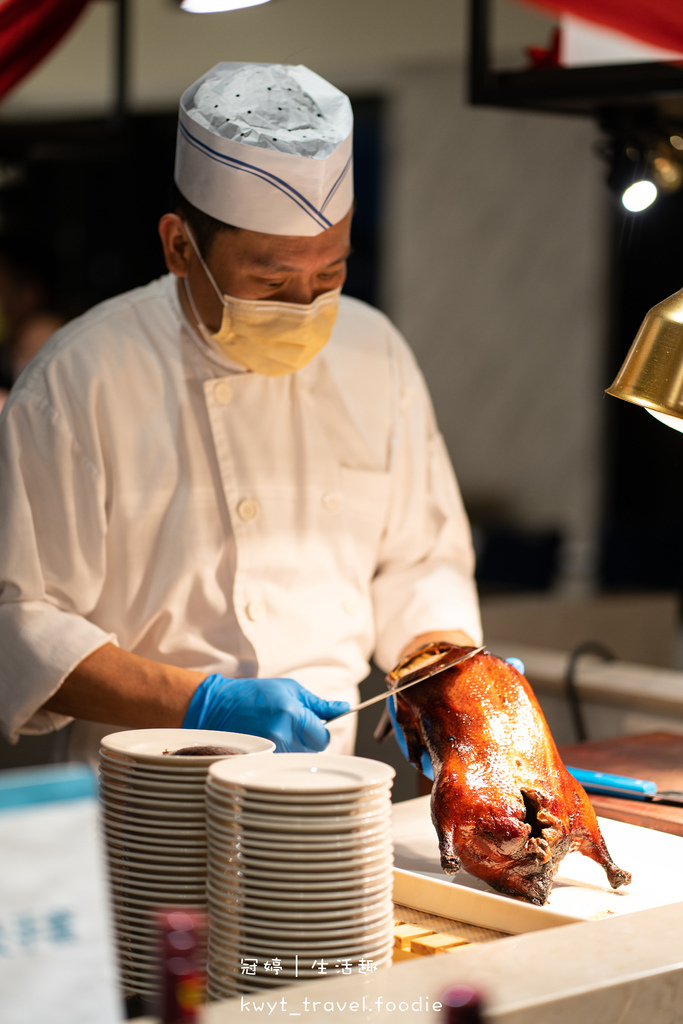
(440,665)
(624,786)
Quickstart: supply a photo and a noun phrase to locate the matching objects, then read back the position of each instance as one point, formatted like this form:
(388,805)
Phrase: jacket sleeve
(52,554)
(425,577)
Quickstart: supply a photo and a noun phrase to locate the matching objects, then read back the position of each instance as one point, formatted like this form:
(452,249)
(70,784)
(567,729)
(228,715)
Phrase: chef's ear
(176,245)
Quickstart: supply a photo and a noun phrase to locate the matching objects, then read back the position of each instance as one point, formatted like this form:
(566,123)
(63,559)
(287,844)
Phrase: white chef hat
(266,147)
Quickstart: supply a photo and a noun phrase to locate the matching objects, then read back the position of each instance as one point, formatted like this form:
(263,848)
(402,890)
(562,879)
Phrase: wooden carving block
(435,943)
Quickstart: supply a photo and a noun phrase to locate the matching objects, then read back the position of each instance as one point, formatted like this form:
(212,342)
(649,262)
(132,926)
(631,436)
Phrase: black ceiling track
(584,91)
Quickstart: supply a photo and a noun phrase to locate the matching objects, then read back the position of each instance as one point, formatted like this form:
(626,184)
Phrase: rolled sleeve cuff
(407,607)
(46,646)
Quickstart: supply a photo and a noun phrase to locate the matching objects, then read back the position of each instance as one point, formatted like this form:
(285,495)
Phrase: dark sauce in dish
(200,751)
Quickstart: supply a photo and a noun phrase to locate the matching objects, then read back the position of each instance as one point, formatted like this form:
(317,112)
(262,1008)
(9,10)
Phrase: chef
(222,492)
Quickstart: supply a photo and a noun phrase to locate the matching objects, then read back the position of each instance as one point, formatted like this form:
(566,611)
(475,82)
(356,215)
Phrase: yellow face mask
(268,337)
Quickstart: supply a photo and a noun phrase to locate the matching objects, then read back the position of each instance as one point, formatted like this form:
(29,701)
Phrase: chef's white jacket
(156,496)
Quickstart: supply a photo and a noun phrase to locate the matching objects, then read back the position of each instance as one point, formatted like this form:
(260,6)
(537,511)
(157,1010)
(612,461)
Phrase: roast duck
(504,806)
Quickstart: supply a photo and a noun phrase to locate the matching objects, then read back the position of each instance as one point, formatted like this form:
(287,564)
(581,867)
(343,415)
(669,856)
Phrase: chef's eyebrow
(266,262)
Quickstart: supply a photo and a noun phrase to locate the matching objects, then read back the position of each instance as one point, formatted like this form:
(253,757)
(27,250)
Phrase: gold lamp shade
(652,373)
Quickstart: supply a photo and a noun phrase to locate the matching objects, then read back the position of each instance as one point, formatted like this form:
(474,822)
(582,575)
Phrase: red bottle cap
(462,1004)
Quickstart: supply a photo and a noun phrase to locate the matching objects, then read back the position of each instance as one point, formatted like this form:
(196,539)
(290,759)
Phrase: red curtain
(659,22)
(29,29)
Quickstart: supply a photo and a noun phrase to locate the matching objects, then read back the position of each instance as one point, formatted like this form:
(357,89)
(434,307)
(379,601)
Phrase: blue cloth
(425,760)
(280,709)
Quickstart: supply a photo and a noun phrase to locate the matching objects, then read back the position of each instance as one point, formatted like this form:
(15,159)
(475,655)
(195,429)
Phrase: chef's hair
(204,227)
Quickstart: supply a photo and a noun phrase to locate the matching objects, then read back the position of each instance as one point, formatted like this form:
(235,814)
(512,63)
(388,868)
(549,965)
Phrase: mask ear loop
(201,259)
(190,298)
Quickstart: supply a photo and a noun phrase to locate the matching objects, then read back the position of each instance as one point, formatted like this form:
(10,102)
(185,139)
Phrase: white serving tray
(580,890)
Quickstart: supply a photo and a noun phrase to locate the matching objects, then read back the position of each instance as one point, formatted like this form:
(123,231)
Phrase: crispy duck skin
(503,804)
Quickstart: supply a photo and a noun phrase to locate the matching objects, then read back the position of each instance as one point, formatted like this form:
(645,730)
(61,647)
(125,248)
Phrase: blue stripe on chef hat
(272,179)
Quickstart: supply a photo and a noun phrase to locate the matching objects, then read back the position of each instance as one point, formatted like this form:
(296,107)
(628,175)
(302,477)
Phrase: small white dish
(304,773)
(147,746)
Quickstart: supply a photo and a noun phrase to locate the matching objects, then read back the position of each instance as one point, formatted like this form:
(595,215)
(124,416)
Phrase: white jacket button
(255,610)
(331,501)
(248,510)
(222,392)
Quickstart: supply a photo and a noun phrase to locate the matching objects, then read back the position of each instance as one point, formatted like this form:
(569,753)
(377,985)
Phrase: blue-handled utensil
(624,786)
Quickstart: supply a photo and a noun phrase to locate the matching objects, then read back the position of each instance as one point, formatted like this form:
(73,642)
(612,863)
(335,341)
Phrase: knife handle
(613,785)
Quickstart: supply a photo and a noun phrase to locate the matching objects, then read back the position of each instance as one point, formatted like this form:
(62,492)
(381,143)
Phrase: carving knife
(433,669)
(624,786)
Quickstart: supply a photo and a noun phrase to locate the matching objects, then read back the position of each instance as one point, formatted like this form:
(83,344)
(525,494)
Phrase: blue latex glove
(280,709)
(425,760)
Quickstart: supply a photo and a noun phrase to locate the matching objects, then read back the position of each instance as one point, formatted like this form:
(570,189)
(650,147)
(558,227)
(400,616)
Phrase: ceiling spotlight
(639,196)
(214,6)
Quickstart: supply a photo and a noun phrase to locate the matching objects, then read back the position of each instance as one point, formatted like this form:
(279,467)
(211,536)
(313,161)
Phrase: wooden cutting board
(657,756)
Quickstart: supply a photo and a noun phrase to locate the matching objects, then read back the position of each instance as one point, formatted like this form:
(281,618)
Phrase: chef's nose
(303,291)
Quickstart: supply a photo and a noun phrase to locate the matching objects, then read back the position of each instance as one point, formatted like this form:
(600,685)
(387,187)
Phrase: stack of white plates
(299,870)
(153,815)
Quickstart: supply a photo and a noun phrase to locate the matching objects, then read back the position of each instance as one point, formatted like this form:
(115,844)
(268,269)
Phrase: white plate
(258,839)
(125,770)
(147,746)
(306,896)
(166,871)
(167,891)
(158,813)
(296,937)
(151,802)
(140,907)
(282,884)
(244,803)
(316,838)
(270,946)
(167,888)
(140,916)
(124,843)
(303,773)
(152,862)
(119,823)
(141,929)
(297,934)
(162,827)
(298,905)
(335,868)
(253,875)
(353,915)
(165,789)
(135,883)
(299,799)
(292,812)
(249,852)
(150,869)
(239,903)
(261,822)
(189,774)
(297,924)
(233,809)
